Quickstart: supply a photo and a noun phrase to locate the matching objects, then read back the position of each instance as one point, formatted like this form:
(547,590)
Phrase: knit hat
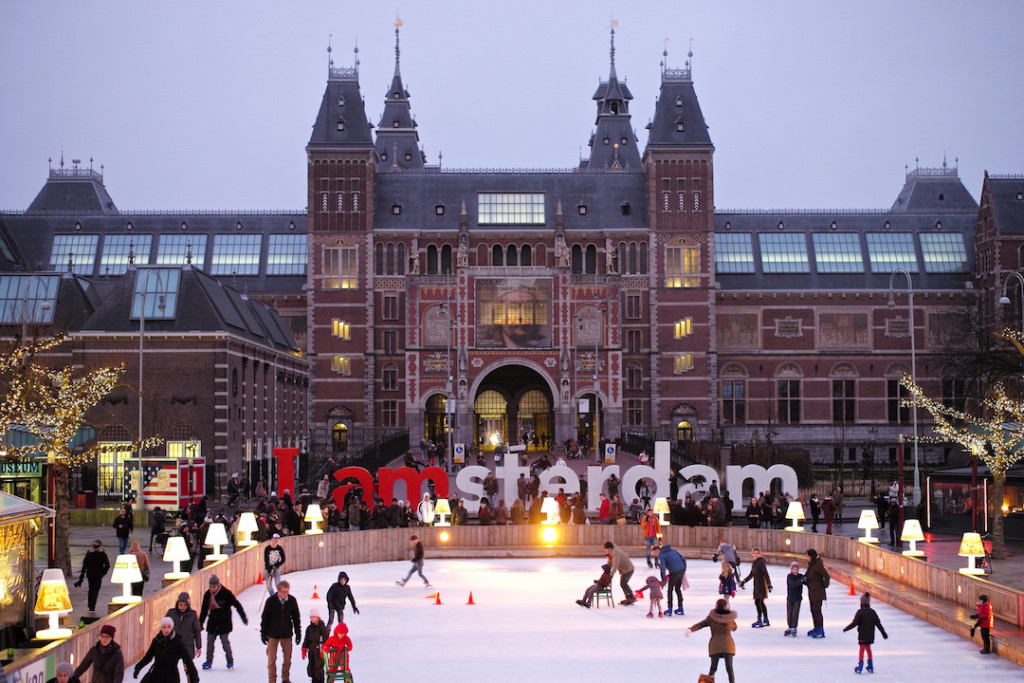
(97,543)
(812,553)
(107,630)
(183,597)
(606,567)
(865,600)
(66,668)
(167,621)
(794,564)
(214,580)
(314,613)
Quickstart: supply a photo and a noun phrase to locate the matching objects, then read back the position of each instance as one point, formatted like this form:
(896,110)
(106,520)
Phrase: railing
(136,624)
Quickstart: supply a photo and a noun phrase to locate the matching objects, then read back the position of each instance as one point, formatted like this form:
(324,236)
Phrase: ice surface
(525,626)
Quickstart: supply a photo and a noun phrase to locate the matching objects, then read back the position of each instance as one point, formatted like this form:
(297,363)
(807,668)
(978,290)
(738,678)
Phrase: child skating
(794,596)
(654,585)
(983,620)
(866,620)
(727,582)
(600,583)
(312,645)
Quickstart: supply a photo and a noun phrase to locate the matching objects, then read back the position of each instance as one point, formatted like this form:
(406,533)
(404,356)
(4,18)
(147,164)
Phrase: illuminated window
(110,466)
(733,253)
(943,252)
(889,251)
(684,328)
(837,253)
(184,449)
(510,208)
(236,255)
(80,249)
(682,265)
(683,363)
(286,255)
(783,253)
(175,250)
(342,330)
(118,248)
(340,268)
(341,365)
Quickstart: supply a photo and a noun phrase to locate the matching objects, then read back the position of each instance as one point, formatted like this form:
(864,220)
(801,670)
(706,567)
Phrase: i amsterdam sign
(469,480)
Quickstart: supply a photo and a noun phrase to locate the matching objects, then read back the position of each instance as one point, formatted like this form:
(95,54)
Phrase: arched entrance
(511,402)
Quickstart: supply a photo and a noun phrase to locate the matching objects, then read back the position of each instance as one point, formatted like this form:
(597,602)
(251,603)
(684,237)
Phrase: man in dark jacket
(105,658)
(157,520)
(123,528)
(816,579)
(94,567)
(672,563)
(186,625)
(273,560)
(217,604)
(279,622)
(337,594)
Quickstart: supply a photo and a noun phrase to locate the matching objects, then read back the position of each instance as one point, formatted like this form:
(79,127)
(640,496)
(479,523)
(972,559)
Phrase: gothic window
(446,259)
(340,266)
(526,255)
(682,264)
(591,263)
(577,259)
(512,256)
(497,255)
(431,260)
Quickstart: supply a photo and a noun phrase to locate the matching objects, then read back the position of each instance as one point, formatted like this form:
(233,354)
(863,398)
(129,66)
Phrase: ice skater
(312,646)
(762,587)
(866,620)
(722,621)
(337,594)
(983,620)
(621,563)
(417,563)
(273,560)
(794,596)
(672,562)
(654,585)
(600,583)
(727,583)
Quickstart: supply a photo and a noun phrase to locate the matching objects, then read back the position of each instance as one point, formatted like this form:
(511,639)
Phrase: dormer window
(129,227)
(625,208)
(607,141)
(941,197)
(679,101)
(615,107)
(394,124)
(938,225)
(78,226)
(780,226)
(238,225)
(396,208)
(582,209)
(408,156)
(623,140)
(341,101)
(886,225)
(341,124)
(439,210)
(680,126)
(833,225)
(728,225)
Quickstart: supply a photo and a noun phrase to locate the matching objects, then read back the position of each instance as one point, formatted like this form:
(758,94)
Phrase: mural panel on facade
(513,313)
(738,331)
(843,331)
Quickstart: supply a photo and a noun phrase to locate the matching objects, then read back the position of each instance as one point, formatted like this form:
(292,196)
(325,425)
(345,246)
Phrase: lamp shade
(441,507)
(868,520)
(660,505)
(314,513)
(795,510)
(53,593)
(550,508)
(912,531)
(216,535)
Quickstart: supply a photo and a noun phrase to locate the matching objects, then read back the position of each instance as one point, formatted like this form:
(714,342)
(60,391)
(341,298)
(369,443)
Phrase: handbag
(145,574)
(621,521)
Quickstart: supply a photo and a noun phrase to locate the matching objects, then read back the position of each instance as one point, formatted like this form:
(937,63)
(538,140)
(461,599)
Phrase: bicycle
(985,562)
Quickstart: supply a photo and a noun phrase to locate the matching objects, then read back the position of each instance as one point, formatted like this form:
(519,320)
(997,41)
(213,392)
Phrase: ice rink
(525,626)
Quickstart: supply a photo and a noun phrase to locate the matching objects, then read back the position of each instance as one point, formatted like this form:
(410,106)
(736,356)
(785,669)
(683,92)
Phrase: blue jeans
(122,545)
(417,568)
(272,575)
(649,542)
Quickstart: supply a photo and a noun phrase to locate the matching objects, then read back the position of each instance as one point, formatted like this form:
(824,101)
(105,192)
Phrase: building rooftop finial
(330,60)
(398,24)
(614,23)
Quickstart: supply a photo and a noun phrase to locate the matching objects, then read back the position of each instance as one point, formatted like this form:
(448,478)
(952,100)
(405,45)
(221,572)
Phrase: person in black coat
(312,646)
(65,674)
(95,566)
(123,528)
(164,651)
(279,622)
(762,586)
(217,604)
(866,620)
(337,594)
(105,658)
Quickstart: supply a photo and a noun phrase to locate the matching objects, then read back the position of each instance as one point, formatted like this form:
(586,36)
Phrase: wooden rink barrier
(846,557)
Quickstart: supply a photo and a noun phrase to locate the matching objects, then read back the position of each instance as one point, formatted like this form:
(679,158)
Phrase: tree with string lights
(995,436)
(52,405)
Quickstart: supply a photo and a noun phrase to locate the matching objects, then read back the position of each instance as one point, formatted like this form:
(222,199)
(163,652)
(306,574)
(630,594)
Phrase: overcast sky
(209,105)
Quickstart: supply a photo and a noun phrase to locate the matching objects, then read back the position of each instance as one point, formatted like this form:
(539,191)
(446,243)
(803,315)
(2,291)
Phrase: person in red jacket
(983,620)
(336,650)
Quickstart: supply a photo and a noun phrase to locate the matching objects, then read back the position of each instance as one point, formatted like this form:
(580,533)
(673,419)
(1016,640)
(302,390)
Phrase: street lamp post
(913,371)
(142,335)
(575,377)
(598,312)
(449,393)
(1005,300)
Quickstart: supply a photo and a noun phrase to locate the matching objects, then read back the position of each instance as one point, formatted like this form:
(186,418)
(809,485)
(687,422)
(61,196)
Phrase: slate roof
(1006,195)
(934,189)
(74,189)
(418,195)
(677,104)
(341,121)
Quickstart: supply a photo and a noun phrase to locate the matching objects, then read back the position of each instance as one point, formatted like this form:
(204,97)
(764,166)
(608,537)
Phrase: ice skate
(400,583)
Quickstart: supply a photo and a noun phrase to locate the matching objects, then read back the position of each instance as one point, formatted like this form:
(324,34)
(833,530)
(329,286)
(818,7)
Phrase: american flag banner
(169,482)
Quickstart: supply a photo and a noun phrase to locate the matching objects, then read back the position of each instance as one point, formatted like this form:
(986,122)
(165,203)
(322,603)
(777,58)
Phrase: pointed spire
(330,59)
(398,24)
(615,22)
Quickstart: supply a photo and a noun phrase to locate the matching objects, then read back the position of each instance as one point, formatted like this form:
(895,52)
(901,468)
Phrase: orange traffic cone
(852,591)
(315,596)
(259,581)
(470,599)
(431,596)
(438,599)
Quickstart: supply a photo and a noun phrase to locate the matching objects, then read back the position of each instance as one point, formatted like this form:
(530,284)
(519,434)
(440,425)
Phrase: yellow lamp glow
(443,536)
(795,512)
(247,526)
(441,511)
(53,600)
(314,516)
(661,509)
(550,535)
(549,507)
(126,572)
(867,522)
(177,552)
(971,547)
(216,538)
(912,532)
